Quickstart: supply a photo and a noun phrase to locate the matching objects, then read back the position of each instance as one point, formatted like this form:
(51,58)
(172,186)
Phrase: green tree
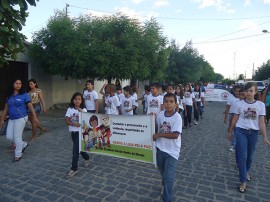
(12,17)
(101,47)
(263,72)
(241,77)
(219,78)
(186,65)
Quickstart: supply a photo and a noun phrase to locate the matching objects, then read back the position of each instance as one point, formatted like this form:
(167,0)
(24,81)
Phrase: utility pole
(234,75)
(67,5)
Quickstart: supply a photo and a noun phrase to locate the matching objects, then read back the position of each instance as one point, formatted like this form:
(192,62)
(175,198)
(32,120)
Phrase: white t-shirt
(234,107)
(127,103)
(112,102)
(189,98)
(249,114)
(120,96)
(73,114)
(171,124)
(197,96)
(180,102)
(230,100)
(154,103)
(135,97)
(90,97)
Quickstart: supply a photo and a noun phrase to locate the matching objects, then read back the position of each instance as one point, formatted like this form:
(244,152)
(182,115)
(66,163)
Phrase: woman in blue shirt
(15,107)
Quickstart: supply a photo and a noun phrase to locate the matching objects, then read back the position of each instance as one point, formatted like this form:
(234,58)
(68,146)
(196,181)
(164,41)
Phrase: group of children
(166,108)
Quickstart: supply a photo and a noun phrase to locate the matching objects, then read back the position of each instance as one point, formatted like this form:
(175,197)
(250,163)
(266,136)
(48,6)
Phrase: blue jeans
(245,147)
(75,156)
(167,168)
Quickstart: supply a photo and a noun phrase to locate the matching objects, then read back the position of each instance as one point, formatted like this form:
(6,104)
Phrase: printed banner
(217,95)
(119,136)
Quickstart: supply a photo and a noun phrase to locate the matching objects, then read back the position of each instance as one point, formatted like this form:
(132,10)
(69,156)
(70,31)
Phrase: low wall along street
(119,136)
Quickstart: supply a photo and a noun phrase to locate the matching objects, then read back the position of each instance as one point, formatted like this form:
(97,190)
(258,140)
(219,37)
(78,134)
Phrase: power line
(184,19)
(229,39)
(231,33)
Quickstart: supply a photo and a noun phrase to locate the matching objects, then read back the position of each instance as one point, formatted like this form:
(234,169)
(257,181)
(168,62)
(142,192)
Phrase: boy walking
(168,143)
(90,97)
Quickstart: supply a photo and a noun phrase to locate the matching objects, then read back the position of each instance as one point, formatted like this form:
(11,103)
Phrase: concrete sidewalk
(206,169)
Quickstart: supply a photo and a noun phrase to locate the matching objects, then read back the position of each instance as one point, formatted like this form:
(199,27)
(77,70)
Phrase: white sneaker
(72,173)
(86,163)
(231,149)
(195,122)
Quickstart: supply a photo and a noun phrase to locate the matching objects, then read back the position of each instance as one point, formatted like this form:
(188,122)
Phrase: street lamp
(265,31)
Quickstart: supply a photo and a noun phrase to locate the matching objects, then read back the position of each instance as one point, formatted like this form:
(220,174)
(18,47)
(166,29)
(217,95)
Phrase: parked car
(219,86)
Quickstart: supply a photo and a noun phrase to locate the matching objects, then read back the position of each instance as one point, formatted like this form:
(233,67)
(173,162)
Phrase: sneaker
(232,149)
(195,122)
(72,173)
(86,163)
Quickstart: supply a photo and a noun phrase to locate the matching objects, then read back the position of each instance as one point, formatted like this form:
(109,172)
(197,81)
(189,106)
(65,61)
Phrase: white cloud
(247,3)
(137,1)
(134,14)
(178,11)
(218,4)
(266,1)
(160,3)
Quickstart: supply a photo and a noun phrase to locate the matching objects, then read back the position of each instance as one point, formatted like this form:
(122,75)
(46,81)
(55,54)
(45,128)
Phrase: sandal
(242,188)
(16,159)
(32,139)
(43,130)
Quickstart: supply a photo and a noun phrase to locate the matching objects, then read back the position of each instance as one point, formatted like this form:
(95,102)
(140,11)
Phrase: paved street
(206,169)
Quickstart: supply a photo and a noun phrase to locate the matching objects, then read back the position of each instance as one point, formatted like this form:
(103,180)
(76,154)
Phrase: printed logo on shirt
(197,96)
(154,104)
(109,104)
(74,118)
(187,95)
(126,104)
(165,127)
(250,113)
(18,99)
(88,97)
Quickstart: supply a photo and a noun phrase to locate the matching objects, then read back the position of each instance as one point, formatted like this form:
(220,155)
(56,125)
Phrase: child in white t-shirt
(168,143)
(128,102)
(233,109)
(90,97)
(154,100)
(112,103)
(249,120)
(189,101)
(180,98)
(232,98)
(119,93)
(147,91)
(72,120)
(135,97)
(199,97)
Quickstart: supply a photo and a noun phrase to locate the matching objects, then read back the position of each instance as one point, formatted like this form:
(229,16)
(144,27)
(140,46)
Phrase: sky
(228,33)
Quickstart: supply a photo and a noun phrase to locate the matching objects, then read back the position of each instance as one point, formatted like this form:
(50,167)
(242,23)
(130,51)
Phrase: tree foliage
(263,72)
(101,47)
(12,17)
(241,77)
(186,65)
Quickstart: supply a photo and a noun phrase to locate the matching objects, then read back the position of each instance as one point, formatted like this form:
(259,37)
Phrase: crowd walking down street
(206,169)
